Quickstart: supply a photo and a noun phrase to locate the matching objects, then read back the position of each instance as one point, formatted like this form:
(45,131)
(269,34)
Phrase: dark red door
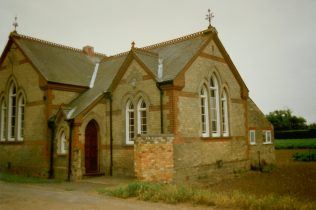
(91,147)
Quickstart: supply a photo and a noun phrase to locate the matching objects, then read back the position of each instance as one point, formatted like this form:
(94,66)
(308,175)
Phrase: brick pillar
(153,158)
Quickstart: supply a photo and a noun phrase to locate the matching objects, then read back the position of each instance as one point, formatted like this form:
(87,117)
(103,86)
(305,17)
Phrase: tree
(284,120)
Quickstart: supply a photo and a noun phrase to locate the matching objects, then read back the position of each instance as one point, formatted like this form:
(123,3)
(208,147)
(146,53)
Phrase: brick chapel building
(177,110)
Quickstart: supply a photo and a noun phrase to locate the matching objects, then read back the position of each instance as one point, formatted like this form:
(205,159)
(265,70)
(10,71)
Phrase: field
(295,143)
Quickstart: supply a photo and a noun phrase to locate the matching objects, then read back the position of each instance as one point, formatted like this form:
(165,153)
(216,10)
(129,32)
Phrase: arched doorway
(91,147)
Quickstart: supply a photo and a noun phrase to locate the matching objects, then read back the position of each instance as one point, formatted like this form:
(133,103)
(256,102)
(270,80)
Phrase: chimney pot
(88,50)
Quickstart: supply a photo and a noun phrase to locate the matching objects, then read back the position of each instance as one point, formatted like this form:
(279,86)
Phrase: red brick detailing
(153,158)
(212,57)
(23,61)
(147,77)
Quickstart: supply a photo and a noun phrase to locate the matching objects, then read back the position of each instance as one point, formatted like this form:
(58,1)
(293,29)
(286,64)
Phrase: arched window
(130,122)
(21,111)
(142,117)
(62,143)
(214,107)
(204,112)
(12,112)
(3,119)
(225,122)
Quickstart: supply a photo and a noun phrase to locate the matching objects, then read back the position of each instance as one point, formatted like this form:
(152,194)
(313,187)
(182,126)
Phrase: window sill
(267,143)
(221,138)
(62,154)
(253,144)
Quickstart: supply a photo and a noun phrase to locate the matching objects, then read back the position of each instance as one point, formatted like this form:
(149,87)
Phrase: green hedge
(295,134)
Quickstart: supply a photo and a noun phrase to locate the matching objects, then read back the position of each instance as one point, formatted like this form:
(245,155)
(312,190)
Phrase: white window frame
(129,128)
(21,117)
(225,120)
(204,112)
(12,125)
(267,137)
(141,111)
(252,137)
(3,119)
(214,107)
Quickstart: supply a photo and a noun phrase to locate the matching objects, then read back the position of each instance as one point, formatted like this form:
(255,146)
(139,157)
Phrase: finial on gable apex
(133,45)
(209,17)
(15,23)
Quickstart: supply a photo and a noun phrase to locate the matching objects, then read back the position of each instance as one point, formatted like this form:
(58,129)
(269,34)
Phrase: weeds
(305,156)
(181,194)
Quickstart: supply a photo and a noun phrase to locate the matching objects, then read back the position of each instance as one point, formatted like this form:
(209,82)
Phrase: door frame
(98,145)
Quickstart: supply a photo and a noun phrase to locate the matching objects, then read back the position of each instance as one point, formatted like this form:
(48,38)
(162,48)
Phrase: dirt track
(53,197)
(288,178)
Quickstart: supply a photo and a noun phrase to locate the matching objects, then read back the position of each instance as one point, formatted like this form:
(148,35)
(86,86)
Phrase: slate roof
(57,63)
(66,65)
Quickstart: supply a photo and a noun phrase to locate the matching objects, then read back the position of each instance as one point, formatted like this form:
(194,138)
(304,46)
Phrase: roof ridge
(52,43)
(174,41)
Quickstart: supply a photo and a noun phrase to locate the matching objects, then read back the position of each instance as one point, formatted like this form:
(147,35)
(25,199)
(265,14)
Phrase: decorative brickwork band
(153,158)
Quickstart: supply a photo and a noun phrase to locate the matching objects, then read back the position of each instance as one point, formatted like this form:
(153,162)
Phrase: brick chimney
(88,50)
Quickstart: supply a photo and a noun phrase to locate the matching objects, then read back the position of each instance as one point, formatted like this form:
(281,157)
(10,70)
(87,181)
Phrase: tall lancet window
(225,122)
(12,112)
(130,122)
(214,107)
(204,112)
(142,117)
(3,119)
(21,110)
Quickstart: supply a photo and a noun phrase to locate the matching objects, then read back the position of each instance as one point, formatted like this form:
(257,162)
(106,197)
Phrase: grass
(24,179)
(295,143)
(174,194)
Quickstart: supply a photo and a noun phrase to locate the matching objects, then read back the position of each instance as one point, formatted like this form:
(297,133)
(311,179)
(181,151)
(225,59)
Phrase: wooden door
(91,147)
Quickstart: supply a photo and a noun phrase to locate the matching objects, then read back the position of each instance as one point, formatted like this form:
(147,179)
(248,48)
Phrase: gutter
(109,96)
(71,127)
(52,126)
(161,108)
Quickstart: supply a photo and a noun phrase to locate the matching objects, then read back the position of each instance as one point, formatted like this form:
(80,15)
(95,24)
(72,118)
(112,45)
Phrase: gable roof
(66,65)
(57,63)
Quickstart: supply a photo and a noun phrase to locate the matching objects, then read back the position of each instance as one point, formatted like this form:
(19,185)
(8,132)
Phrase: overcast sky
(271,42)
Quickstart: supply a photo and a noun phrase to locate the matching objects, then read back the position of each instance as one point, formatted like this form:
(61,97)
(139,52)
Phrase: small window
(21,110)
(142,117)
(62,143)
(204,112)
(267,137)
(3,119)
(130,122)
(252,137)
(225,122)
(12,112)
(214,107)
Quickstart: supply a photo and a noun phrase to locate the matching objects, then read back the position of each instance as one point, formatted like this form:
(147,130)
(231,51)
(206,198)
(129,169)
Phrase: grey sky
(272,43)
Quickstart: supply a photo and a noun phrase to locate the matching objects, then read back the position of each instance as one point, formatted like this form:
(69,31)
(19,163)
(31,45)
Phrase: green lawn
(295,143)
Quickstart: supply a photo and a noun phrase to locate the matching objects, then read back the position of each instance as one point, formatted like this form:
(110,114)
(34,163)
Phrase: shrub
(305,156)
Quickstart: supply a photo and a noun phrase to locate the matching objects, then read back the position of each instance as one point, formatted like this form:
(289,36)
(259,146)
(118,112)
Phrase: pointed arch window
(12,112)
(21,111)
(3,119)
(225,122)
(142,117)
(130,122)
(204,112)
(214,107)
(62,143)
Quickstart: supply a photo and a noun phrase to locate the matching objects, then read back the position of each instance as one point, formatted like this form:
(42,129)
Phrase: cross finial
(15,23)
(209,17)
(133,45)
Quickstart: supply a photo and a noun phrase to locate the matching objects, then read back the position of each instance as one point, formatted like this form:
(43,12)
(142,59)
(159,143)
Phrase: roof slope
(106,72)
(58,63)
